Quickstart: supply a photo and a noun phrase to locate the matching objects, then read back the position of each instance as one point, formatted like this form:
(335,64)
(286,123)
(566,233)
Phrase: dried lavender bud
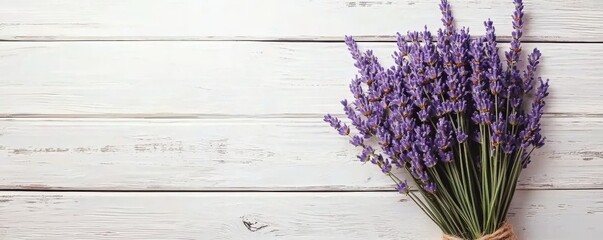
(366,153)
(402,187)
(443,140)
(430,187)
(386,166)
(342,128)
(531,134)
(498,132)
(357,141)
(461,137)
(533,61)
(447,18)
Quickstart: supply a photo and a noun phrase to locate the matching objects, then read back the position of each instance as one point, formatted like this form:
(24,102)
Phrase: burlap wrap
(505,232)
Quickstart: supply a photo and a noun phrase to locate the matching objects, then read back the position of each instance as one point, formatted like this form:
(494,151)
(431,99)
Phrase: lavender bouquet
(454,118)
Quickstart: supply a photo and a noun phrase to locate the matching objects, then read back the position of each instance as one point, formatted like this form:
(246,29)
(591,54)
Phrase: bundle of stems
(459,118)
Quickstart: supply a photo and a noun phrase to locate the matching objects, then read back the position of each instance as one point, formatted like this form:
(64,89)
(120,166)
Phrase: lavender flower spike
(342,128)
(447,18)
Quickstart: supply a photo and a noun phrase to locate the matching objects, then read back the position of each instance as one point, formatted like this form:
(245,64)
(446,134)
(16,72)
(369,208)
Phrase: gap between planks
(256,190)
(364,39)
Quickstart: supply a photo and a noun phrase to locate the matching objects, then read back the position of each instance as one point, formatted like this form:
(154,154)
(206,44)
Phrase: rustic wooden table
(132,119)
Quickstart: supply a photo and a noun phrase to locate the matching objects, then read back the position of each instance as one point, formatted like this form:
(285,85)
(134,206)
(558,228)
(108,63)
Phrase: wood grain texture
(242,154)
(553,20)
(181,105)
(229,78)
(387,216)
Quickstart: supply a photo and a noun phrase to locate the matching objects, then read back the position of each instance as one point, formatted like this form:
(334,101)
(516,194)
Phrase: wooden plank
(230,78)
(242,154)
(71,215)
(553,20)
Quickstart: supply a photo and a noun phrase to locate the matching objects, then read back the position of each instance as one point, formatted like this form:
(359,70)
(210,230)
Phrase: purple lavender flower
(447,18)
(342,128)
(351,114)
(443,140)
(386,166)
(353,48)
(430,187)
(357,141)
(429,159)
(515,83)
(483,106)
(498,132)
(402,187)
(531,134)
(366,153)
(461,137)
(533,61)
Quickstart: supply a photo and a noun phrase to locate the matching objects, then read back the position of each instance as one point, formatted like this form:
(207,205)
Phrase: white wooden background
(188,119)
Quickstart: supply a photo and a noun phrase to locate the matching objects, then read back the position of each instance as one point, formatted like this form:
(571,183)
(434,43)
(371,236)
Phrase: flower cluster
(449,111)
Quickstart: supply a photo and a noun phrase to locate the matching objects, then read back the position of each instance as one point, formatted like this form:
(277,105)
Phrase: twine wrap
(505,232)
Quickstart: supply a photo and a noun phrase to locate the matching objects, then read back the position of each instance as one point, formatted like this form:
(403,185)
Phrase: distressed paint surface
(535,214)
(187,100)
(552,20)
(230,78)
(242,154)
